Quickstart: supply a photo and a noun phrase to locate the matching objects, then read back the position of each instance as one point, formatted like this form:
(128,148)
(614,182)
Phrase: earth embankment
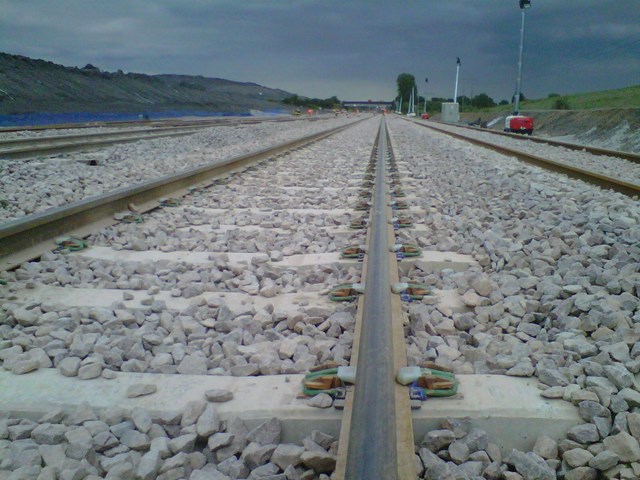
(617,129)
(36,86)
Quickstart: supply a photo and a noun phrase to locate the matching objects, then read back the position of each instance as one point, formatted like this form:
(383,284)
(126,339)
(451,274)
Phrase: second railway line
(617,170)
(34,185)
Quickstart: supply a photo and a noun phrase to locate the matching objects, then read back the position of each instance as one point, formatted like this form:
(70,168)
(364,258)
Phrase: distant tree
(328,103)
(503,102)
(435,104)
(406,83)
(483,101)
(553,95)
(88,66)
(292,100)
(463,100)
(561,103)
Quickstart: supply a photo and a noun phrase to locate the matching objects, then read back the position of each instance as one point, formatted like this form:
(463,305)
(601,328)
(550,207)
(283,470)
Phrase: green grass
(628,97)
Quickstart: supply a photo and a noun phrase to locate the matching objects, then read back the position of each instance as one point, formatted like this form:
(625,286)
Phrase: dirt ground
(616,129)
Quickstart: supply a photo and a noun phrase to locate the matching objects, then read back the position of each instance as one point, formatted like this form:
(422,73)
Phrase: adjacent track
(27,238)
(632,157)
(50,145)
(213,121)
(594,178)
(27,148)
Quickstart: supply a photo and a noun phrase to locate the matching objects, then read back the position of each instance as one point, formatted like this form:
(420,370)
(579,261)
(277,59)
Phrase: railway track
(171,122)
(224,294)
(50,145)
(595,172)
(632,157)
(27,238)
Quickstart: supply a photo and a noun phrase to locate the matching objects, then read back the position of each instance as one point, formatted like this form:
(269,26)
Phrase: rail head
(376,439)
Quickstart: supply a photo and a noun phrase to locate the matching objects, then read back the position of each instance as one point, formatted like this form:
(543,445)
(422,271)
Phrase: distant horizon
(248,82)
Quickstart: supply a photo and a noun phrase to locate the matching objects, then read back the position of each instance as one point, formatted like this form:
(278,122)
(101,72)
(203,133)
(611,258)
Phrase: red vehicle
(518,124)
(425,116)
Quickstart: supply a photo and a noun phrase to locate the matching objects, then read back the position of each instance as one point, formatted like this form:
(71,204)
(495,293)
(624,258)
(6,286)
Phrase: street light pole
(426,80)
(455,93)
(524,5)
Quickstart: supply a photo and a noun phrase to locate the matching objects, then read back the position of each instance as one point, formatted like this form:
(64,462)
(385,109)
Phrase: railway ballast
(177,347)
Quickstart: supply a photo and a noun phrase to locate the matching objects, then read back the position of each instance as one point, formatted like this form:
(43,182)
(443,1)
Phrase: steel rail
(88,136)
(29,147)
(153,127)
(604,181)
(29,237)
(379,446)
(112,124)
(212,121)
(54,145)
(632,157)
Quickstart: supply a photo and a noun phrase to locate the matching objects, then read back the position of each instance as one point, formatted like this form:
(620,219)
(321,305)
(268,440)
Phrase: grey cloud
(349,48)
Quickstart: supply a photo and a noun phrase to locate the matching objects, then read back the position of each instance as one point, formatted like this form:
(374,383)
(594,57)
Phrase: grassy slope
(628,97)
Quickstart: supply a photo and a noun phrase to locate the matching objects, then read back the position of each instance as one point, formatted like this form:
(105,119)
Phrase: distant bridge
(366,103)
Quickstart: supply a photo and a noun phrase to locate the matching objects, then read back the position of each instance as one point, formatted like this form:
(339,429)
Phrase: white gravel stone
(208,422)
(322,400)
(87,372)
(192,413)
(624,446)
(141,389)
(578,457)
(218,395)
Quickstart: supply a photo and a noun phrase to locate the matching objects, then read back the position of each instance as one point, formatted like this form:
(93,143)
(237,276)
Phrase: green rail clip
(70,244)
(346,292)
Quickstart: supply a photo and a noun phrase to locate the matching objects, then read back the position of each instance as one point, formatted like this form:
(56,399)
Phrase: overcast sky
(353,49)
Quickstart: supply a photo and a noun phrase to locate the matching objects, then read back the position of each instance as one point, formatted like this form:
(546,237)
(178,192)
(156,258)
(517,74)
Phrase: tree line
(406,82)
(315,103)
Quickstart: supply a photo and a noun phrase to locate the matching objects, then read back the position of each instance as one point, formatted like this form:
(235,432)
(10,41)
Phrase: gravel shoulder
(605,165)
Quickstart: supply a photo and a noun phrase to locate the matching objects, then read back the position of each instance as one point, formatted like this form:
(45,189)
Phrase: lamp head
(525,4)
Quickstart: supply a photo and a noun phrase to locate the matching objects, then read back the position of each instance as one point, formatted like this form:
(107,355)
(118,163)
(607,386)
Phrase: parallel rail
(632,157)
(210,121)
(26,148)
(37,141)
(604,181)
(29,147)
(28,238)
